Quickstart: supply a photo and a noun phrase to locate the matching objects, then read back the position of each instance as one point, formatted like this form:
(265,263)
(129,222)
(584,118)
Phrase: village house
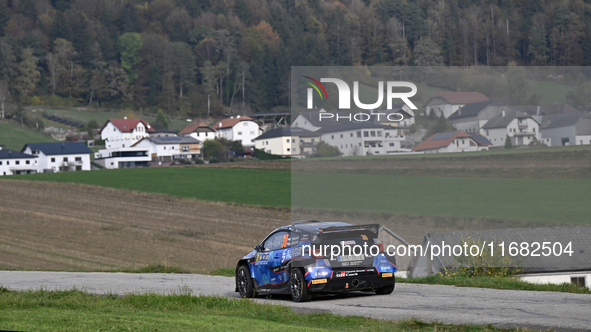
(314,120)
(364,138)
(119,136)
(521,128)
(311,120)
(387,118)
(200,131)
(60,157)
(455,141)
(166,149)
(572,268)
(122,133)
(123,157)
(13,163)
(471,117)
(238,128)
(566,129)
(286,141)
(447,103)
(162,133)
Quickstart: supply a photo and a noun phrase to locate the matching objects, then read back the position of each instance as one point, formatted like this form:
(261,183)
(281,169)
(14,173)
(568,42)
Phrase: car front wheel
(244,282)
(298,286)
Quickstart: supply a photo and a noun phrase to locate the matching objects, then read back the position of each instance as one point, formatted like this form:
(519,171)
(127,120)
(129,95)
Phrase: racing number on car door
(278,247)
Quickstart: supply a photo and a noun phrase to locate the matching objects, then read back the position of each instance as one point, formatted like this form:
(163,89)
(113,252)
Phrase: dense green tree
(60,28)
(516,85)
(129,45)
(213,148)
(508,143)
(161,121)
(7,61)
(4,16)
(91,128)
(427,53)
(153,85)
(538,49)
(208,78)
(270,37)
(326,150)
(185,66)
(237,147)
(129,19)
(27,75)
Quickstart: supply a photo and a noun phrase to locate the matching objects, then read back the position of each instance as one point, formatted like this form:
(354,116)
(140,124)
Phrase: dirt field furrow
(53,226)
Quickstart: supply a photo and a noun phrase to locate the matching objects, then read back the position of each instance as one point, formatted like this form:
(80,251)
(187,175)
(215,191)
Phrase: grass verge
(224,272)
(78,311)
(152,268)
(496,283)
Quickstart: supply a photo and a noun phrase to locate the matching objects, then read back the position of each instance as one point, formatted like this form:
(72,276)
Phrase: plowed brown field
(55,226)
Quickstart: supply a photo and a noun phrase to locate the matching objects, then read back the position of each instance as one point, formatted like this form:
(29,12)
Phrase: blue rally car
(310,257)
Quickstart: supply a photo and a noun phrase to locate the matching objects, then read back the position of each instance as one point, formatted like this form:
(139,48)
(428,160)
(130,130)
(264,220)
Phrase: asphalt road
(446,304)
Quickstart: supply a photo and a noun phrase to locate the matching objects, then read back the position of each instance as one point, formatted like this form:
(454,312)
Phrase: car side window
(277,241)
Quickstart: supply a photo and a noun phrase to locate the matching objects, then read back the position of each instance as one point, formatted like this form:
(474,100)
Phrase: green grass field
(13,137)
(78,311)
(577,152)
(243,186)
(538,200)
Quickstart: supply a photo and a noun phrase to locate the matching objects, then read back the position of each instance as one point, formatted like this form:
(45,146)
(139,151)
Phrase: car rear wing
(372,228)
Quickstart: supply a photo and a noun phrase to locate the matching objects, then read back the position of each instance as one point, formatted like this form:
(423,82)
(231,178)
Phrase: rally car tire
(244,282)
(298,286)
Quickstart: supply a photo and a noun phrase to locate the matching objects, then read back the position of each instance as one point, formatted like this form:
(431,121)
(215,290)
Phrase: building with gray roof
(471,117)
(521,128)
(566,129)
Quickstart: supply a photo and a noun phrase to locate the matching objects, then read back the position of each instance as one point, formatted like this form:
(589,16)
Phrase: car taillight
(381,246)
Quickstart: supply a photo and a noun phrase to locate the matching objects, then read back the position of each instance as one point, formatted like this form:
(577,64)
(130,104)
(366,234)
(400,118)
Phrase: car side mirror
(258,247)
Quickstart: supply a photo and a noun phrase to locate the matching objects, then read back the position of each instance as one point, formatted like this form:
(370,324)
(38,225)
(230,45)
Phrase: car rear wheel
(385,290)
(298,286)
(244,282)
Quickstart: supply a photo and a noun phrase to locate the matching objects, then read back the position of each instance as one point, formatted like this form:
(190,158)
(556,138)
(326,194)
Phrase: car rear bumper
(348,284)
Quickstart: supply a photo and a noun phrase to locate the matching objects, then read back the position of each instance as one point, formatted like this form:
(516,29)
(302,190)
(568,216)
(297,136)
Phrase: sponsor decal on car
(285,255)
(387,275)
(349,258)
(319,281)
(262,257)
(348,273)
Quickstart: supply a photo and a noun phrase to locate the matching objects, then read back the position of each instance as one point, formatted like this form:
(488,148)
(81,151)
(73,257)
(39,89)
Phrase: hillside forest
(211,57)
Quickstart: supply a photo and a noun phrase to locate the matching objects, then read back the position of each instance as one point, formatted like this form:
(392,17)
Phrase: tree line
(212,57)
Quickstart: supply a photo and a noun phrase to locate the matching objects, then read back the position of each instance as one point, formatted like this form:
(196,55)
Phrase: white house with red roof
(447,103)
(455,141)
(120,136)
(238,128)
(200,131)
(122,133)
